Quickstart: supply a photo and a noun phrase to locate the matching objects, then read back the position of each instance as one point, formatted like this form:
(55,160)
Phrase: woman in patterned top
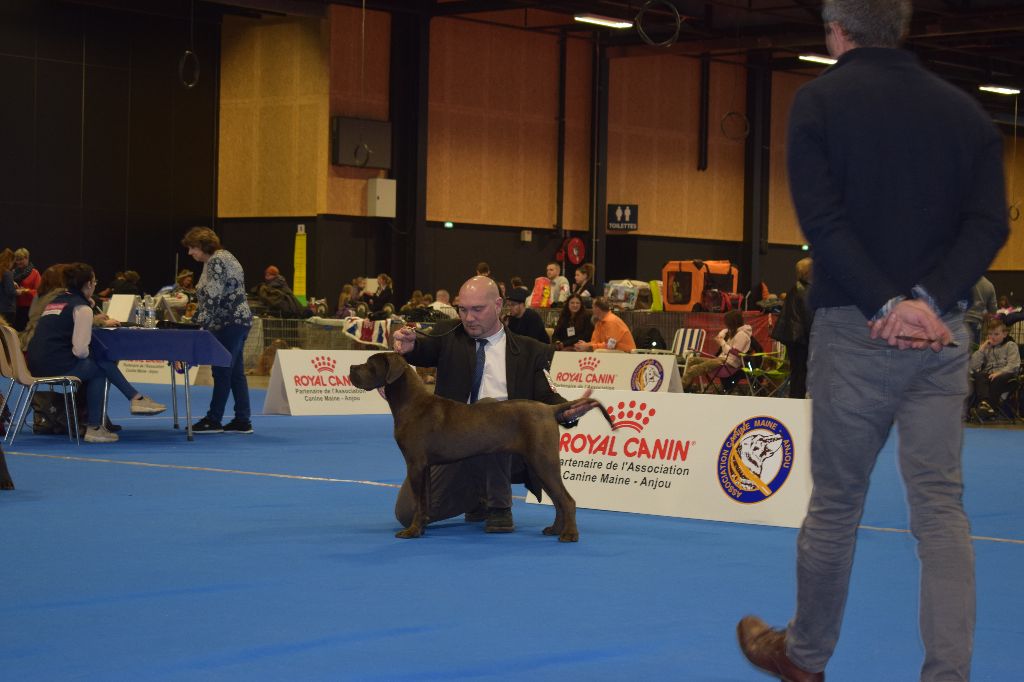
(223,310)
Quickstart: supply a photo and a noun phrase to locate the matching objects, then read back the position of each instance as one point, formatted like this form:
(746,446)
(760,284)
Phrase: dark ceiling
(968,42)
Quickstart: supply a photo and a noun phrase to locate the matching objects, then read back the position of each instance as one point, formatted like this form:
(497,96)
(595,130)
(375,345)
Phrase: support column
(756,170)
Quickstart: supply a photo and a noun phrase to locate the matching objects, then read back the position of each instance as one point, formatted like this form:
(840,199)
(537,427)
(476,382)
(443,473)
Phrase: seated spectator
(993,366)
(522,320)
(104,294)
(383,296)
(573,324)
(415,301)
(60,346)
(559,284)
(733,342)
(442,303)
(346,307)
(584,283)
(51,285)
(277,296)
(483,269)
(128,284)
(610,332)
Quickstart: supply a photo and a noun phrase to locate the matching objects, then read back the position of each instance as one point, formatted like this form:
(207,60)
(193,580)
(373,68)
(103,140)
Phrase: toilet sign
(623,217)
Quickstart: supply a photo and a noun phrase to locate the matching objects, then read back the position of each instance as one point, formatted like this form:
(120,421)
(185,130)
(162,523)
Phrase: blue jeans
(230,379)
(860,387)
(93,373)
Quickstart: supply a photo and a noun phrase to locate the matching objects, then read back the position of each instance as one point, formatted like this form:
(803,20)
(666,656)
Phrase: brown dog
(434,430)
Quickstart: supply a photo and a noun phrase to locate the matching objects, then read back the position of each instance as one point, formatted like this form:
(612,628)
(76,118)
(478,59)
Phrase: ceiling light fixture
(817,58)
(600,20)
(999,89)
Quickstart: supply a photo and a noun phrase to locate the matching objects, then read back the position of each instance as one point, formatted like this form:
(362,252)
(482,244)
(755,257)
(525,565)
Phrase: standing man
(897,179)
(793,329)
(610,332)
(478,360)
(522,320)
(983,306)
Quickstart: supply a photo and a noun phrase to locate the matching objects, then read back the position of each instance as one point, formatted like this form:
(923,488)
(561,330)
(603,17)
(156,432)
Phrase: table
(187,346)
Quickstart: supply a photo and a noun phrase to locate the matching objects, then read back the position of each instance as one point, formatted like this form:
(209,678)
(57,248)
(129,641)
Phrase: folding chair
(13,366)
(766,373)
(687,343)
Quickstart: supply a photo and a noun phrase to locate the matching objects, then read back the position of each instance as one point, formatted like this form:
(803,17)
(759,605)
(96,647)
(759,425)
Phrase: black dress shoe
(499,521)
(766,648)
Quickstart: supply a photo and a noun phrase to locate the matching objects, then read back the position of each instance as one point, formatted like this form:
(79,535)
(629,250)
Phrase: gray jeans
(860,387)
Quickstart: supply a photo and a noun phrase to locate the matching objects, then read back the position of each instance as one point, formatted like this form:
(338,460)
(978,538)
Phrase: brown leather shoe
(766,649)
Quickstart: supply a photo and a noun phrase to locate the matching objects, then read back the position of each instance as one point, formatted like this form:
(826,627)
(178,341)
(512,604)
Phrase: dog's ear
(396,367)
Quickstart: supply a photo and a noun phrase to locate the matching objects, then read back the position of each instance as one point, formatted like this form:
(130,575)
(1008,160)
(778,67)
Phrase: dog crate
(685,281)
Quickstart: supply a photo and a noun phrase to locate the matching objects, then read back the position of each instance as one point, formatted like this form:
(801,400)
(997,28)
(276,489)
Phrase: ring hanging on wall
(186,59)
(639,21)
(735,125)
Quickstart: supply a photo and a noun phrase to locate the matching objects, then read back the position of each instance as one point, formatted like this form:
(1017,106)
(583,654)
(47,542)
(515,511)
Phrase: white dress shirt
(494,383)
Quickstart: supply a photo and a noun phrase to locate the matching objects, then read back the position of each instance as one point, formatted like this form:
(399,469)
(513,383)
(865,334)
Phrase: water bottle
(138,314)
(150,313)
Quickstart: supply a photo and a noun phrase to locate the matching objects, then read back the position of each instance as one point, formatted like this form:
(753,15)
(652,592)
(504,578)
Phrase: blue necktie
(478,374)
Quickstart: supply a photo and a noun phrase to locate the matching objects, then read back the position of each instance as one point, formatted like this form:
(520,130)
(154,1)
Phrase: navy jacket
(897,180)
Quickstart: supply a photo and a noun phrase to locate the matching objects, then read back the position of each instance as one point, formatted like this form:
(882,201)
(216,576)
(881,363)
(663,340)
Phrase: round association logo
(647,376)
(755,460)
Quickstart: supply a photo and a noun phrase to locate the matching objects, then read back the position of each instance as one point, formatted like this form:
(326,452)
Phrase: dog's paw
(551,530)
(6,485)
(409,533)
(569,537)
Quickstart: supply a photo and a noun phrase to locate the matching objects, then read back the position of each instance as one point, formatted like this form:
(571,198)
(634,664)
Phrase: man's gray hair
(870,23)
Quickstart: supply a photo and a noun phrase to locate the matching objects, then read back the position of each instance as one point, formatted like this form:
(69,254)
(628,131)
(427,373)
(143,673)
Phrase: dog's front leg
(418,481)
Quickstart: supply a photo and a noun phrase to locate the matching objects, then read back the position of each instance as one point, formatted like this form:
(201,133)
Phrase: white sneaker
(146,406)
(98,434)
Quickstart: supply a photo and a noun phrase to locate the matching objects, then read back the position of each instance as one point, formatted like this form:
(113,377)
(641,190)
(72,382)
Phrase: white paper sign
(316,382)
(121,307)
(722,458)
(621,371)
(153,372)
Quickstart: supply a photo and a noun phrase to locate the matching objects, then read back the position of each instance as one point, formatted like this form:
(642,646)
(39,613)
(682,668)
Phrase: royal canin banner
(316,382)
(653,373)
(722,458)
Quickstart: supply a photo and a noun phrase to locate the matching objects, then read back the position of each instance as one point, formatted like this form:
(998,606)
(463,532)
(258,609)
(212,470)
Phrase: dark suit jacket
(454,355)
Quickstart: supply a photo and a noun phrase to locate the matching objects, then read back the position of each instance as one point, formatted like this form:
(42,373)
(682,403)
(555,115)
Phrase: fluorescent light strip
(999,89)
(608,22)
(817,58)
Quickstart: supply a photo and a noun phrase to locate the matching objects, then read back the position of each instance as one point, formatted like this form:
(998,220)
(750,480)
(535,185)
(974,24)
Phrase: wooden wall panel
(579,85)
(783,227)
(360,67)
(652,147)
(273,119)
(1012,255)
(492,151)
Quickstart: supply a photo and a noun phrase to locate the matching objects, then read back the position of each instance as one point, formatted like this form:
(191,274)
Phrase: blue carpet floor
(272,557)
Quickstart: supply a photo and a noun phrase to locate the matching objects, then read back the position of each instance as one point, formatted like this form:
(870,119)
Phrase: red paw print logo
(322,363)
(589,364)
(631,415)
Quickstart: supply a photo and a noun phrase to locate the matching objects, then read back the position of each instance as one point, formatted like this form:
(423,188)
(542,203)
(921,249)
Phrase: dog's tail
(573,410)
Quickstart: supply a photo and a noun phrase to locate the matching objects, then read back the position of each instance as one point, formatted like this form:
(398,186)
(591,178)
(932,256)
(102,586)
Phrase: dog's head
(378,370)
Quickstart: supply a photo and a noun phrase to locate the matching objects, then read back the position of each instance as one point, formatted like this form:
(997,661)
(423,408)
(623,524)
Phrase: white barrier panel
(153,372)
(722,458)
(621,371)
(316,382)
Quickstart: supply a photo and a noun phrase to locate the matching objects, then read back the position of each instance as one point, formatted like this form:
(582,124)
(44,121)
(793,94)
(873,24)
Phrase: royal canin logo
(633,415)
(322,363)
(325,376)
(630,415)
(587,376)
